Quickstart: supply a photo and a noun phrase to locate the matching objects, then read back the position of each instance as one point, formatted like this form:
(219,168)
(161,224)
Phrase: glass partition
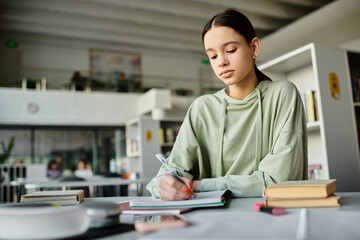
(100,147)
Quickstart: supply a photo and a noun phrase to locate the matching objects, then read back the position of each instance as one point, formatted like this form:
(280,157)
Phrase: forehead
(217,36)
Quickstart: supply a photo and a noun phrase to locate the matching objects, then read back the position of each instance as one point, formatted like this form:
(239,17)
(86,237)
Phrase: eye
(213,57)
(232,51)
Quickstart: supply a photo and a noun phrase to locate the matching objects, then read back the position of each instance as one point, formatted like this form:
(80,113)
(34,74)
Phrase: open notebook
(204,199)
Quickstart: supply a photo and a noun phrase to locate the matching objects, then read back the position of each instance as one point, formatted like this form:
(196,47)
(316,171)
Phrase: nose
(222,61)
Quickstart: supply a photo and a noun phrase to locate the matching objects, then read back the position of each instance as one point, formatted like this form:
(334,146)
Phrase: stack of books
(299,194)
(66,197)
(168,135)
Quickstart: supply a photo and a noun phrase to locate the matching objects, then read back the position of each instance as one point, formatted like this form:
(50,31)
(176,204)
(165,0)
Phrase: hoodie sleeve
(182,157)
(286,162)
(287,158)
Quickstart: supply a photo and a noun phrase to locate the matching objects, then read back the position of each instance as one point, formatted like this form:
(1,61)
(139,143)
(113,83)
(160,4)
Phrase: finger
(171,189)
(171,195)
(188,183)
(171,180)
(187,187)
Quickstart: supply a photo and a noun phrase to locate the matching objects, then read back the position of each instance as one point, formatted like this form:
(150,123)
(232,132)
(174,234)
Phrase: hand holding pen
(188,189)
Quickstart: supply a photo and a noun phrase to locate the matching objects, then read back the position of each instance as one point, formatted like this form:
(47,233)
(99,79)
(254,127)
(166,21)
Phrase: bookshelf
(142,143)
(332,139)
(354,69)
(168,131)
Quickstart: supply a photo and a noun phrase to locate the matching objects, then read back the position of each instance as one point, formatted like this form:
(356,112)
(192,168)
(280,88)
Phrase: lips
(227,73)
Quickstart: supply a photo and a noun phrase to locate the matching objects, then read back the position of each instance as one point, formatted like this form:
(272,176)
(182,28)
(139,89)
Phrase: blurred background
(81,65)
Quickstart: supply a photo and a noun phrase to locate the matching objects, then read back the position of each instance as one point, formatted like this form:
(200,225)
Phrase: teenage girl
(244,138)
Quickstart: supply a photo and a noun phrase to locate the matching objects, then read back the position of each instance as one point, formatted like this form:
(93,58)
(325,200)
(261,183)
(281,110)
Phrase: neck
(243,89)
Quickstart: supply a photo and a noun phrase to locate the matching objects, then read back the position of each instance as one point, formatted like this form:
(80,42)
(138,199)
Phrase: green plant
(6,150)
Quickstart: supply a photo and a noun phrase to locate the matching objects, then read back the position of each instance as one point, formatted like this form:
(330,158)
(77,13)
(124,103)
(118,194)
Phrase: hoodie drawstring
(258,148)
(221,139)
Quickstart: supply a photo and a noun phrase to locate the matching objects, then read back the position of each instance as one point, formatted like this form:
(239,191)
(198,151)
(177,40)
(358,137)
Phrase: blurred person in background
(53,171)
(83,170)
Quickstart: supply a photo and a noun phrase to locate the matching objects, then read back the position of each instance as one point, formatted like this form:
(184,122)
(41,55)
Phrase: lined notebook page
(203,199)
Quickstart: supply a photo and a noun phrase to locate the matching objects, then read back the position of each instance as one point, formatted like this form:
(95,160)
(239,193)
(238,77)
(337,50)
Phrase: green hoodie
(242,145)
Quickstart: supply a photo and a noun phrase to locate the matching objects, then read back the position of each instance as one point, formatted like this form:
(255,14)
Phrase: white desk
(93,182)
(239,221)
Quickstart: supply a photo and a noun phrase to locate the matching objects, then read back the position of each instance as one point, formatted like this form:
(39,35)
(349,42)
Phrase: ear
(255,46)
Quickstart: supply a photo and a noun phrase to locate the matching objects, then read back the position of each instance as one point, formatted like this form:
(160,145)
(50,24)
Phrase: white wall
(56,63)
(303,78)
(66,108)
(336,25)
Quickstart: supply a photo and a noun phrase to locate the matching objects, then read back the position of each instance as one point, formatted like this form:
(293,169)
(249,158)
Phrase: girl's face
(231,56)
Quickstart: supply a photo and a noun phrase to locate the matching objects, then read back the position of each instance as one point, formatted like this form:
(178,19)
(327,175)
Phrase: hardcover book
(301,189)
(66,197)
(310,106)
(331,201)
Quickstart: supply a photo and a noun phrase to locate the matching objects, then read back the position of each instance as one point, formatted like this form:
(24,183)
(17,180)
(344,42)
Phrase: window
(101,147)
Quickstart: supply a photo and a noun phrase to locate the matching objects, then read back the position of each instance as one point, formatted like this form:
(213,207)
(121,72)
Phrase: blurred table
(29,185)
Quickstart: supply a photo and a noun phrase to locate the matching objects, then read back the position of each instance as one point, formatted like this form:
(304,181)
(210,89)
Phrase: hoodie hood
(250,99)
(254,99)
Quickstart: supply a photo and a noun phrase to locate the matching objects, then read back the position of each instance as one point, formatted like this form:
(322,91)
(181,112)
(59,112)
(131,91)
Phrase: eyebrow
(225,44)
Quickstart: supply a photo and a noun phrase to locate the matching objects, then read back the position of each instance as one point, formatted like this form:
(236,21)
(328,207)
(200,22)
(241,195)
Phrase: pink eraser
(258,205)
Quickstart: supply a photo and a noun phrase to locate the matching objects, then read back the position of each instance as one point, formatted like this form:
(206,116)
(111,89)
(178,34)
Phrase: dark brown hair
(240,23)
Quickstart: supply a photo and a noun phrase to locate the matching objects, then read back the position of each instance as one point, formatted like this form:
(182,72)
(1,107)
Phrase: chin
(229,82)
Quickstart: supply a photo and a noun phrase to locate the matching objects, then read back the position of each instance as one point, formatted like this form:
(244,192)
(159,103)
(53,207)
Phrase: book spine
(355,90)
(132,146)
(315,97)
(310,106)
(161,136)
(170,135)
